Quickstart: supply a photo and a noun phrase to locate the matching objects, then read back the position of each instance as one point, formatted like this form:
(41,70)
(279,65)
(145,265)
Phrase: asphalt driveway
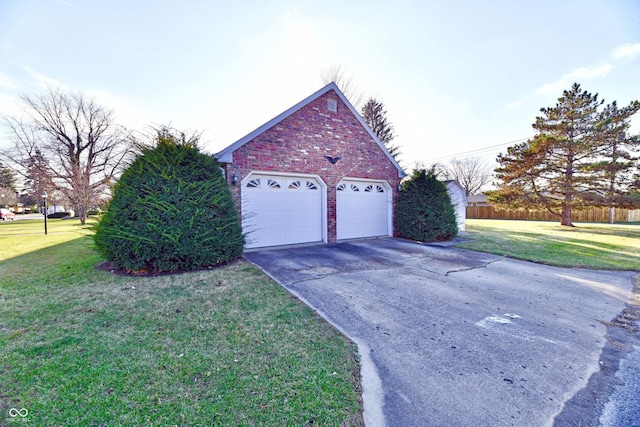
(450,337)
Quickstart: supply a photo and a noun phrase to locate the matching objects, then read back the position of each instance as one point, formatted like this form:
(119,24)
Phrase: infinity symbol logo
(13,412)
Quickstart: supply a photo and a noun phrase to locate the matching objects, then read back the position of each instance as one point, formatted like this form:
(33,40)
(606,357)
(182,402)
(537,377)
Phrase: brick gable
(299,142)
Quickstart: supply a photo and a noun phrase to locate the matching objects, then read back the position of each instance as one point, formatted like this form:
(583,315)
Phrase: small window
(354,187)
(272,183)
(311,185)
(254,183)
(332,105)
(371,188)
(295,185)
(341,187)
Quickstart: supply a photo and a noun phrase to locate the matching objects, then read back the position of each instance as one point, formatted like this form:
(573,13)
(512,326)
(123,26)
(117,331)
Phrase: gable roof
(226,155)
(462,193)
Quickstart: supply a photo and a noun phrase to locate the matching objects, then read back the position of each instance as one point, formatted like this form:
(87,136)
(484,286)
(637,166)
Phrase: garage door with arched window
(363,209)
(282,209)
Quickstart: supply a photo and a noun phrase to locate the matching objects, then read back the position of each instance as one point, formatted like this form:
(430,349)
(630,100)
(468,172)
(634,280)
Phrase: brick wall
(298,143)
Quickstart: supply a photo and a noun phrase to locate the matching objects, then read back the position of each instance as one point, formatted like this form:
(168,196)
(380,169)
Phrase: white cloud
(42,80)
(589,72)
(620,54)
(626,52)
(578,75)
(515,104)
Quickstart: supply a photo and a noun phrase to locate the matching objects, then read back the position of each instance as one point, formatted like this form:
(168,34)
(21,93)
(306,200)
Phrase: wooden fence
(585,215)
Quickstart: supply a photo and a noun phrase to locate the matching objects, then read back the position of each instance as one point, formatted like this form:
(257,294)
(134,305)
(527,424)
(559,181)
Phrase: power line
(477,150)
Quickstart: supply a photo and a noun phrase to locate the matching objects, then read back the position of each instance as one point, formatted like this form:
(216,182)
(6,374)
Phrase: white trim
(226,155)
(323,191)
(389,192)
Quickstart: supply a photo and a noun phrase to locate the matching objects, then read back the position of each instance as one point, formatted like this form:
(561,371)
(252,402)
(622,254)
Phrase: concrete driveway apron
(449,337)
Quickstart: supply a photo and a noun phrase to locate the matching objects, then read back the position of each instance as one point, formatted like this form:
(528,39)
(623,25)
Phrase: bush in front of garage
(171,211)
(423,209)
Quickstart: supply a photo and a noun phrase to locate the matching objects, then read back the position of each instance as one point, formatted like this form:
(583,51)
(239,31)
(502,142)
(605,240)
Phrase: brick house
(315,173)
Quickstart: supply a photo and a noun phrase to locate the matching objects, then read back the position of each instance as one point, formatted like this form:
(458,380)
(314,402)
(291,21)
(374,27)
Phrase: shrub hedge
(171,211)
(423,209)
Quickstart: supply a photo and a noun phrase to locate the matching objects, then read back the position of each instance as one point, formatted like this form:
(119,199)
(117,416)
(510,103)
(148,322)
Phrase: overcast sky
(456,76)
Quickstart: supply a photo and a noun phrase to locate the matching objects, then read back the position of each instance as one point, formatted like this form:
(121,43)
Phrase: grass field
(222,347)
(592,246)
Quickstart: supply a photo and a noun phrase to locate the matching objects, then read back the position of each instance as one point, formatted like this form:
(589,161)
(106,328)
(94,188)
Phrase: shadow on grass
(216,347)
(608,247)
(68,262)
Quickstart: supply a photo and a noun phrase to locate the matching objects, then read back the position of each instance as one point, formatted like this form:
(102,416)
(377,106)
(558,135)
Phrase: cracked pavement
(450,337)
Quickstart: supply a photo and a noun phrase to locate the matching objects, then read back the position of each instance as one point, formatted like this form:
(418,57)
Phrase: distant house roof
(226,155)
(477,198)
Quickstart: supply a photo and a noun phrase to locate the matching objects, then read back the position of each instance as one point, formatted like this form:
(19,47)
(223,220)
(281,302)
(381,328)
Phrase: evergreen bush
(423,209)
(171,211)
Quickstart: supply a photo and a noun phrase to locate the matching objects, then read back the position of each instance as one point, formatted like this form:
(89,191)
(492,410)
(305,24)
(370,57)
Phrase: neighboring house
(458,196)
(477,200)
(315,173)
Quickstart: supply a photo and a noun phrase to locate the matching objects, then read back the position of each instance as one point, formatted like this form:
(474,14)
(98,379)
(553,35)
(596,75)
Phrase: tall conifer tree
(375,115)
(551,171)
(618,157)
(581,155)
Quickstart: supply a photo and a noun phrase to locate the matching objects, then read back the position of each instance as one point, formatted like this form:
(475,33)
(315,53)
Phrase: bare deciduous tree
(69,143)
(472,173)
(336,75)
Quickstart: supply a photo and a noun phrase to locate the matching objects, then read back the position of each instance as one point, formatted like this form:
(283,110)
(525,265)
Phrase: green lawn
(222,347)
(228,346)
(593,246)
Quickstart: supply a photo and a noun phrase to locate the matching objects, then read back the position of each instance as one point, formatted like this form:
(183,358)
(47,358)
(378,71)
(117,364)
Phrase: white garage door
(281,210)
(363,209)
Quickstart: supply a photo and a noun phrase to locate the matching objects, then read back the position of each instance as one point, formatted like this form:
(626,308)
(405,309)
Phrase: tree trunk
(80,212)
(83,215)
(565,219)
(611,214)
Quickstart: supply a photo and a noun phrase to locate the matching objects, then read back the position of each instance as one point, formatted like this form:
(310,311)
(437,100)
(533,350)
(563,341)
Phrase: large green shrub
(171,211)
(423,209)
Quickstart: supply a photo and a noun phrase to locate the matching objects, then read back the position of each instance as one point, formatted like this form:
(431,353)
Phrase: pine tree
(618,156)
(375,115)
(7,177)
(581,156)
(552,171)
